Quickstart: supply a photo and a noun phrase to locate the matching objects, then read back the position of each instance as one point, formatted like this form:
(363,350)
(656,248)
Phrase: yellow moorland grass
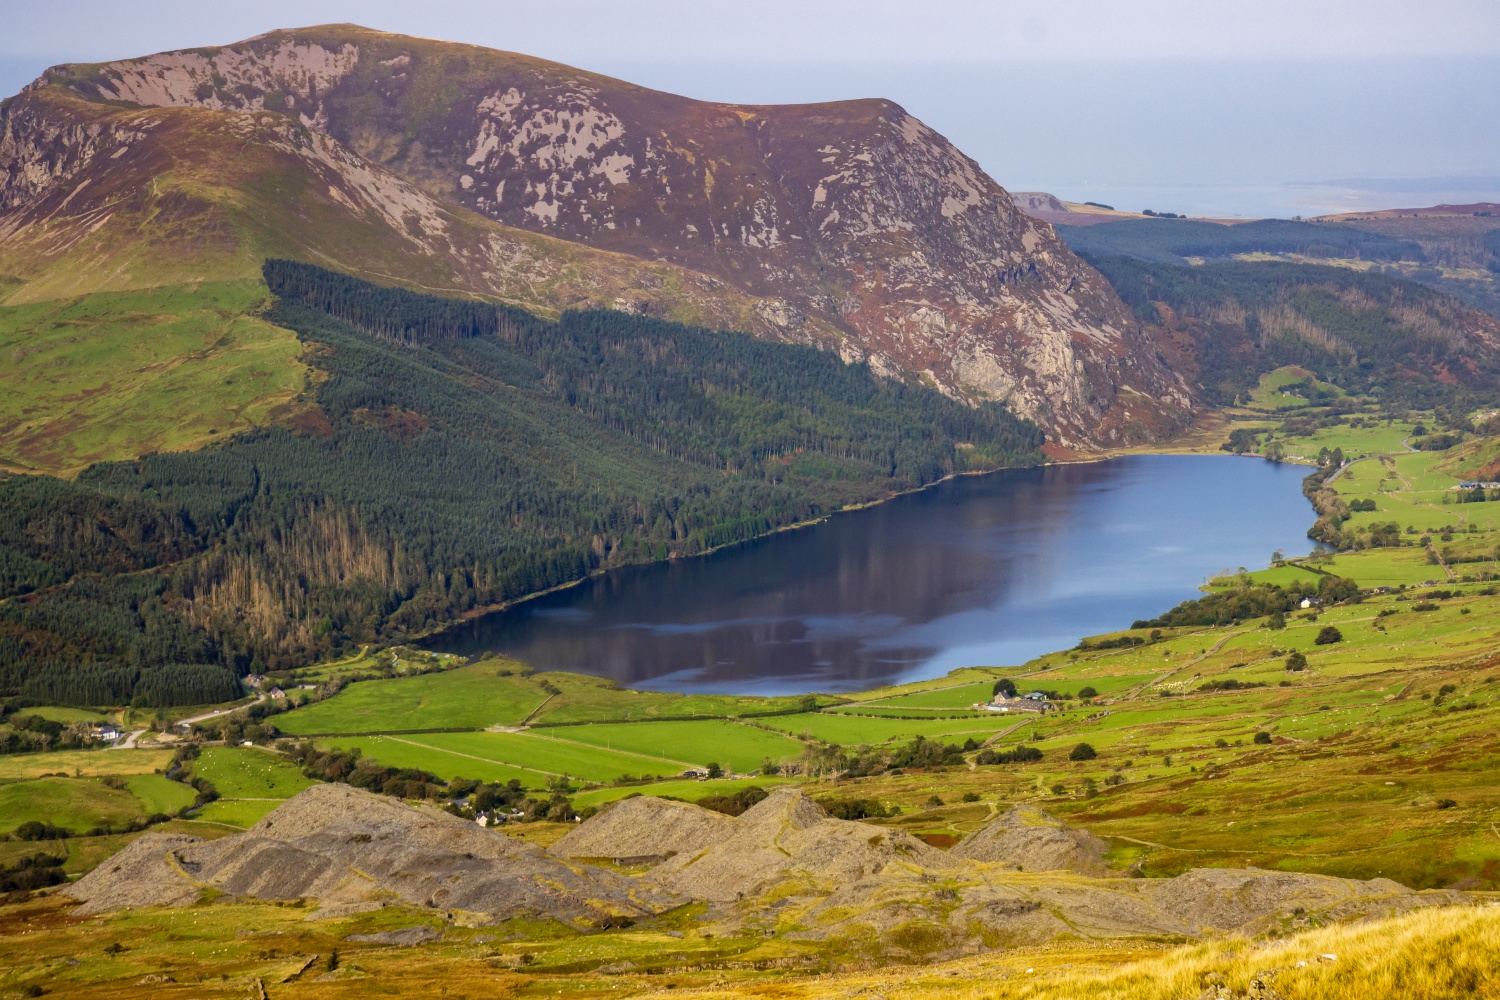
(1433,953)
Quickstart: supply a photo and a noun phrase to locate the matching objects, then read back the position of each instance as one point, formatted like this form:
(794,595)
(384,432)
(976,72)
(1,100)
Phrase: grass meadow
(117,374)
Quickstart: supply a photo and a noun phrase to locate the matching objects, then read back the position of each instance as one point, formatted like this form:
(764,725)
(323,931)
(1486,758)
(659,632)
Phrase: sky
(1208,107)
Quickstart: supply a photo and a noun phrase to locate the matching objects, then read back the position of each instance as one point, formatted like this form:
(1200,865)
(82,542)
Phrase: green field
(1269,395)
(474,696)
(1356,442)
(503,756)
(249,773)
(84,763)
(595,699)
(57,714)
(75,804)
(250,781)
(241,813)
(733,746)
(118,374)
(689,789)
(403,752)
(852,731)
(1280,576)
(158,794)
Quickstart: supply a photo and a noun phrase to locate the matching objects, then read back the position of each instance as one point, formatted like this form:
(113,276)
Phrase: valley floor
(1252,742)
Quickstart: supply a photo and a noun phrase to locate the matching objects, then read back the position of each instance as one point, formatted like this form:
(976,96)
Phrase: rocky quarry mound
(351,850)
(789,837)
(784,867)
(644,828)
(1028,839)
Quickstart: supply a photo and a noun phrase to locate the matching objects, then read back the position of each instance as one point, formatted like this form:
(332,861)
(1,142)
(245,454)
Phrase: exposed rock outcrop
(98,197)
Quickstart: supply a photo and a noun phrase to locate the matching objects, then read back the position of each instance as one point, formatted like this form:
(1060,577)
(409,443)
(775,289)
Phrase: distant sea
(1284,201)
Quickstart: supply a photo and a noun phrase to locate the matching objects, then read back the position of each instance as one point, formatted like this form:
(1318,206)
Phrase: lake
(979,570)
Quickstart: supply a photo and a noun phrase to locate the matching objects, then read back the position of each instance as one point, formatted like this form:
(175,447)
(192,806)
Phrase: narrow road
(128,743)
(218,712)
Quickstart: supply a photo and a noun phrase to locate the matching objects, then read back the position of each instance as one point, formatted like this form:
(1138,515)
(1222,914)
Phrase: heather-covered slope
(852,215)
(131,242)
(97,197)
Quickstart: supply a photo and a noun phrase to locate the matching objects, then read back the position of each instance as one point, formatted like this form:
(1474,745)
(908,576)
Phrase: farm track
(470,756)
(609,749)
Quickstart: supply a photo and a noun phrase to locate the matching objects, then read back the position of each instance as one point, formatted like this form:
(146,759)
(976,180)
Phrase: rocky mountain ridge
(850,224)
(109,197)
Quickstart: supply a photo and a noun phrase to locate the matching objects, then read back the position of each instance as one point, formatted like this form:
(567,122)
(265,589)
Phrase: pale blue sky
(1180,105)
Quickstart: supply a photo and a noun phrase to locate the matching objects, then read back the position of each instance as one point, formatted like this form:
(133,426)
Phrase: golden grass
(1433,953)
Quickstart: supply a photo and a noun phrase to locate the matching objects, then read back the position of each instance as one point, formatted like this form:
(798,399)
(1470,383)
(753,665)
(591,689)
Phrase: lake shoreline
(501,606)
(490,609)
(979,574)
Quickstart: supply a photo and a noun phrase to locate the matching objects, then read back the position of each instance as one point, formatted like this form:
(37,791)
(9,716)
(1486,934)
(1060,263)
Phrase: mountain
(131,244)
(849,219)
(1366,332)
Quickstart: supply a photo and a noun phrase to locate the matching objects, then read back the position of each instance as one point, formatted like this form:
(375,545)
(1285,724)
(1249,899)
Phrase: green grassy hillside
(114,375)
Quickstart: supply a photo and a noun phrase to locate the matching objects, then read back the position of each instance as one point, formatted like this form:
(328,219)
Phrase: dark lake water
(988,570)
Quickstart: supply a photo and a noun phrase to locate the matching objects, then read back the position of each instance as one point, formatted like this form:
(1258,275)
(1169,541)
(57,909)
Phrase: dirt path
(527,721)
(945,687)
(1006,732)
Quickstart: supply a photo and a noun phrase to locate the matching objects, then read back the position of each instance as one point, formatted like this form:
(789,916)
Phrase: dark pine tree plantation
(451,455)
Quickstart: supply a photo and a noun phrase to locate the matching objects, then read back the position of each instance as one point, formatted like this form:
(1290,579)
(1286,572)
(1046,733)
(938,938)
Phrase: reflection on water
(981,570)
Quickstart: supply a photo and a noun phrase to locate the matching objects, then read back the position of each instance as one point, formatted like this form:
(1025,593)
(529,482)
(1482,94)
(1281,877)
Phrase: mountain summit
(848,224)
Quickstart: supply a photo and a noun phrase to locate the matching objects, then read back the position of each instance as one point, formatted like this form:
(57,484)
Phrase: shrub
(1296,662)
(1083,752)
(855,808)
(1262,737)
(1020,755)
(1327,635)
(736,804)
(1228,684)
(1088,692)
(971,796)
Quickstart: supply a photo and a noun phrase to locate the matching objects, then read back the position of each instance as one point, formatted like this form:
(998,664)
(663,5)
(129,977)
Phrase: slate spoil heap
(784,867)
(350,850)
